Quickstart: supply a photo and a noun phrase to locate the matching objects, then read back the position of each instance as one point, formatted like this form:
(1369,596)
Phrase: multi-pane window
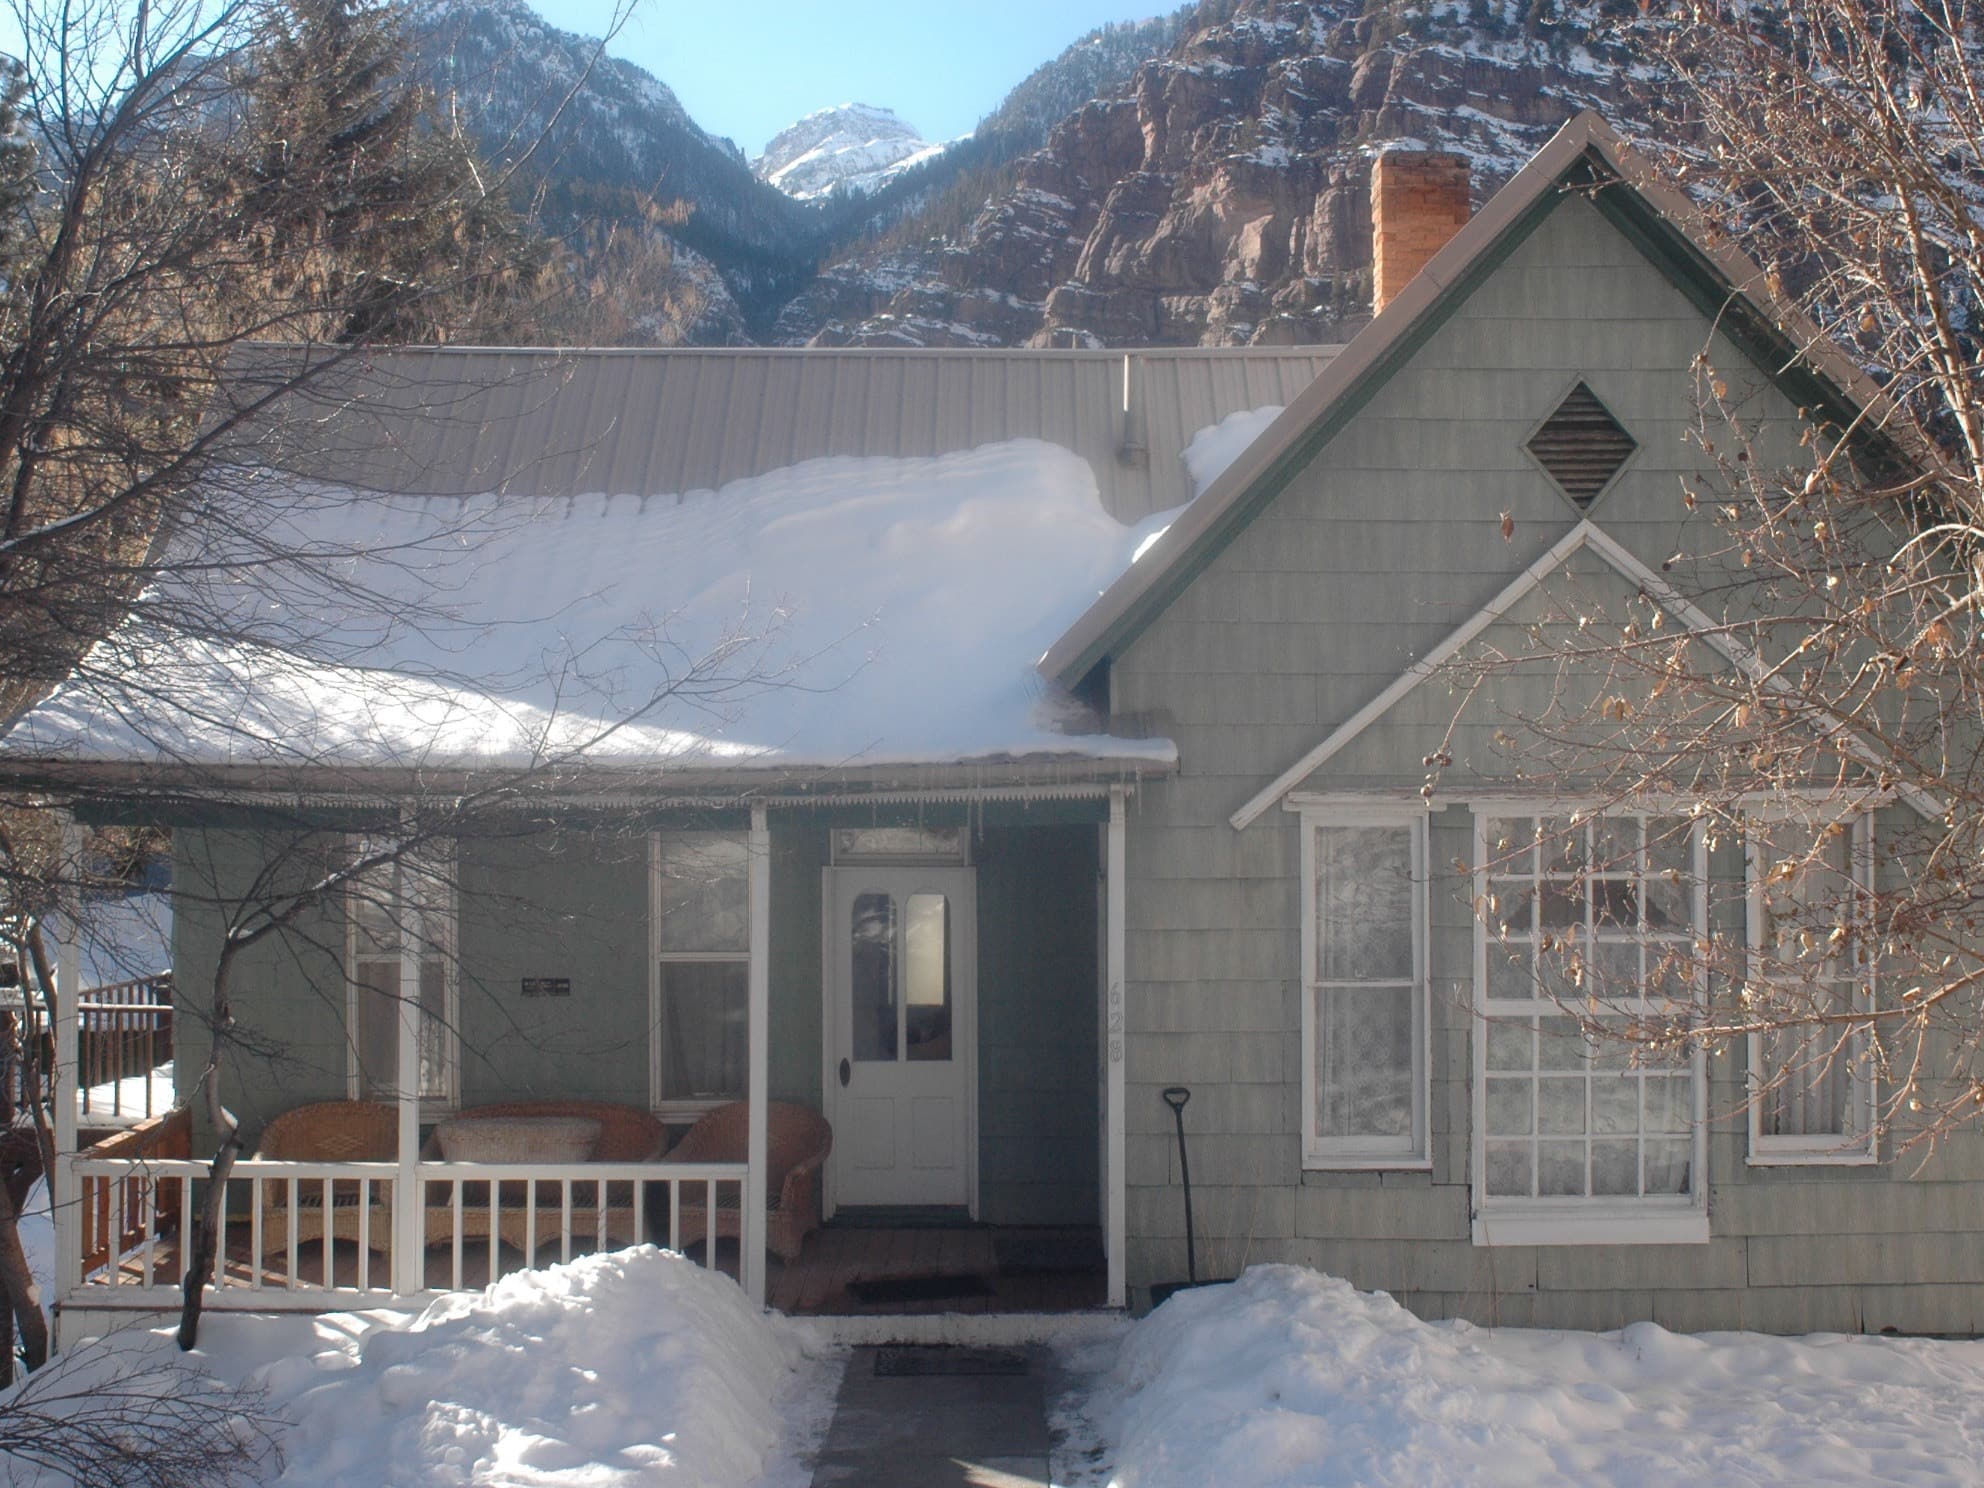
(1588,927)
(1812,1083)
(703,965)
(1364,969)
(393,904)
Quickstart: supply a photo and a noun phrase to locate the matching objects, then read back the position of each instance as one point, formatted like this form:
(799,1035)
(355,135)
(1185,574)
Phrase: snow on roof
(837,612)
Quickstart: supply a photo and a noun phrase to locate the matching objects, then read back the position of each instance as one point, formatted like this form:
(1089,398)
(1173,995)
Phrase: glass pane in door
(873,976)
(927,964)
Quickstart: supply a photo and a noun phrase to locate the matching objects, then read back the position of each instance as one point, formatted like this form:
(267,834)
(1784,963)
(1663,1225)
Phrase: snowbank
(1214,448)
(838,611)
(636,1367)
(1290,1379)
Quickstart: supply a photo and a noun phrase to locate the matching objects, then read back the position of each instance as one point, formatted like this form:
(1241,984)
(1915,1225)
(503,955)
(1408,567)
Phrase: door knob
(845,1071)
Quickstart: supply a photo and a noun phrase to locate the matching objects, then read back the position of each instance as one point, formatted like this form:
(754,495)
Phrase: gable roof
(1585,156)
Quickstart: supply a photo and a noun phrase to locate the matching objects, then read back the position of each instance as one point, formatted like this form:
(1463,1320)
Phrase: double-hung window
(400,927)
(702,970)
(1811,1071)
(1586,1130)
(1364,1006)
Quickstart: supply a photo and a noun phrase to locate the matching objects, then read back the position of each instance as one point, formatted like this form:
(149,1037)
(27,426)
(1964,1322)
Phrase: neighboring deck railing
(323,1236)
(123,1033)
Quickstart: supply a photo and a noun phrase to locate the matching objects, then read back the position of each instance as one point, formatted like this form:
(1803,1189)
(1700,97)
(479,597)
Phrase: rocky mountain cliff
(1221,195)
(854,147)
(1199,178)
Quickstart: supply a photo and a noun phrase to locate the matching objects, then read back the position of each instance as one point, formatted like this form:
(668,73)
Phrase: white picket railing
(136,1218)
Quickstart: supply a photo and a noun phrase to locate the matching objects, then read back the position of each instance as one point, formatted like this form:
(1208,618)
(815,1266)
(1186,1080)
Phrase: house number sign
(547,986)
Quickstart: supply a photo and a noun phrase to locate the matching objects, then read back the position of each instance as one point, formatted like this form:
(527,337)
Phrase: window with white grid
(1586,933)
(1364,1016)
(1812,1075)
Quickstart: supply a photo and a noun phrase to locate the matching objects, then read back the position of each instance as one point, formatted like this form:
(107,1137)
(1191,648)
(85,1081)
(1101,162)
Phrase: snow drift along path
(1291,1379)
(636,1367)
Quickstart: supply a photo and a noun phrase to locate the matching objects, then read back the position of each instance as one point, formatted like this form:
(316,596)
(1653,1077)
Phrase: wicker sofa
(627,1134)
(328,1132)
(797,1143)
(368,1131)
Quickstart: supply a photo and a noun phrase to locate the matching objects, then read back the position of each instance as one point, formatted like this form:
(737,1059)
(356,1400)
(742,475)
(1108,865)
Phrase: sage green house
(1271,819)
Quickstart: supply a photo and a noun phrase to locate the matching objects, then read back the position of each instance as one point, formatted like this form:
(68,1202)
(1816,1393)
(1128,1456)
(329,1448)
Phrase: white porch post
(1117,922)
(409,1220)
(759,890)
(65,1080)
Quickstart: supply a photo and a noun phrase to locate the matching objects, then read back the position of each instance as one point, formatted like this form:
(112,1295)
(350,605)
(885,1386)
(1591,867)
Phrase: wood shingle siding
(1369,557)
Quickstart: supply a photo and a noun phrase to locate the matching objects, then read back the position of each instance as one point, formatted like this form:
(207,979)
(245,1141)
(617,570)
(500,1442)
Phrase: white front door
(901,1027)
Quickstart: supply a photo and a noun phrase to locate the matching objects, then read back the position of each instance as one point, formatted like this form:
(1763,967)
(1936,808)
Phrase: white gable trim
(1615,553)
(1552,558)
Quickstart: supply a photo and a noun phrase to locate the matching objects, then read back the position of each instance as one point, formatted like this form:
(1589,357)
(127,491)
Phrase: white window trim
(1766,1151)
(1559,1221)
(677,1111)
(1322,1154)
(438,928)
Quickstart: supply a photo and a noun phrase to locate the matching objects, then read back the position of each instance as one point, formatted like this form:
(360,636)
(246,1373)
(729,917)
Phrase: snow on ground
(637,1367)
(37,1231)
(125,1098)
(1290,1379)
(1213,449)
(860,611)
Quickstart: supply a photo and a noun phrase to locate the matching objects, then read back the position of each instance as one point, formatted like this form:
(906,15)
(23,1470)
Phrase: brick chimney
(1418,201)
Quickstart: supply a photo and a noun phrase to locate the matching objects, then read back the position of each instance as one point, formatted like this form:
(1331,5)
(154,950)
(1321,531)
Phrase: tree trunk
(210,1229)
(17,1281)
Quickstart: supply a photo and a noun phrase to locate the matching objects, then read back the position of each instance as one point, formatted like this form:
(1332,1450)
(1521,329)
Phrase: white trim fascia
(1586,1226)
(1388,805)
(1551,558)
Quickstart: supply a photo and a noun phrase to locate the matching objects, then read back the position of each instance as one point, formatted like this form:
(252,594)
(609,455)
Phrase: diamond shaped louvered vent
(1581,445)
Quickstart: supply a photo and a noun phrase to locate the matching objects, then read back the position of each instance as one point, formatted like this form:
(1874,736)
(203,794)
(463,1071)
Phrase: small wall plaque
(547,986)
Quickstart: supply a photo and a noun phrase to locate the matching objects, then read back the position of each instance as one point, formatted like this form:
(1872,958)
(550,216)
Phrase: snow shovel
(1175,1096)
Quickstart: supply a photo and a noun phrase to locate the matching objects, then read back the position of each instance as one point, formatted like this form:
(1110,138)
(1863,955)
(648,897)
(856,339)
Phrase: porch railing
(323,1235)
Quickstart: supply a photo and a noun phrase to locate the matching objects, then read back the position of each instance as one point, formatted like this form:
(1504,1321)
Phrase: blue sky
(747,68)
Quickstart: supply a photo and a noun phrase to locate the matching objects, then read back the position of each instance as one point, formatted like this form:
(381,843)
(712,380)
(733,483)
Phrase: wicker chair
(328,1131)
(796,1147)
(627,1134)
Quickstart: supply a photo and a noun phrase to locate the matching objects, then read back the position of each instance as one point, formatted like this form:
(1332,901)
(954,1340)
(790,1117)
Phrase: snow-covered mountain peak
(853,145)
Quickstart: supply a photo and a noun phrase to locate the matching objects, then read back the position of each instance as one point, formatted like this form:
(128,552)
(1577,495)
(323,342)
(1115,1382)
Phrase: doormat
(903,1217)
(1075,1254)
(933,1288)
(922,1360)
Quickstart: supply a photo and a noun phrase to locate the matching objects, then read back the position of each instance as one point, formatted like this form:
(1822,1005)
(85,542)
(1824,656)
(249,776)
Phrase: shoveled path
(941,1429)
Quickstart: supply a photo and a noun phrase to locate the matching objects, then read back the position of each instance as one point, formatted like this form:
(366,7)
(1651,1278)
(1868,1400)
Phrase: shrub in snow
(1290,1379)
(129,1412)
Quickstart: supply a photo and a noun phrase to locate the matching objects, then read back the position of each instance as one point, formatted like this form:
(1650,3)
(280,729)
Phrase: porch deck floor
(816,1284)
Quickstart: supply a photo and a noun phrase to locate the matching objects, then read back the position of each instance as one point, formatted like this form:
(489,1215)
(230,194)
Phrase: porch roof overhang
(103,792)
